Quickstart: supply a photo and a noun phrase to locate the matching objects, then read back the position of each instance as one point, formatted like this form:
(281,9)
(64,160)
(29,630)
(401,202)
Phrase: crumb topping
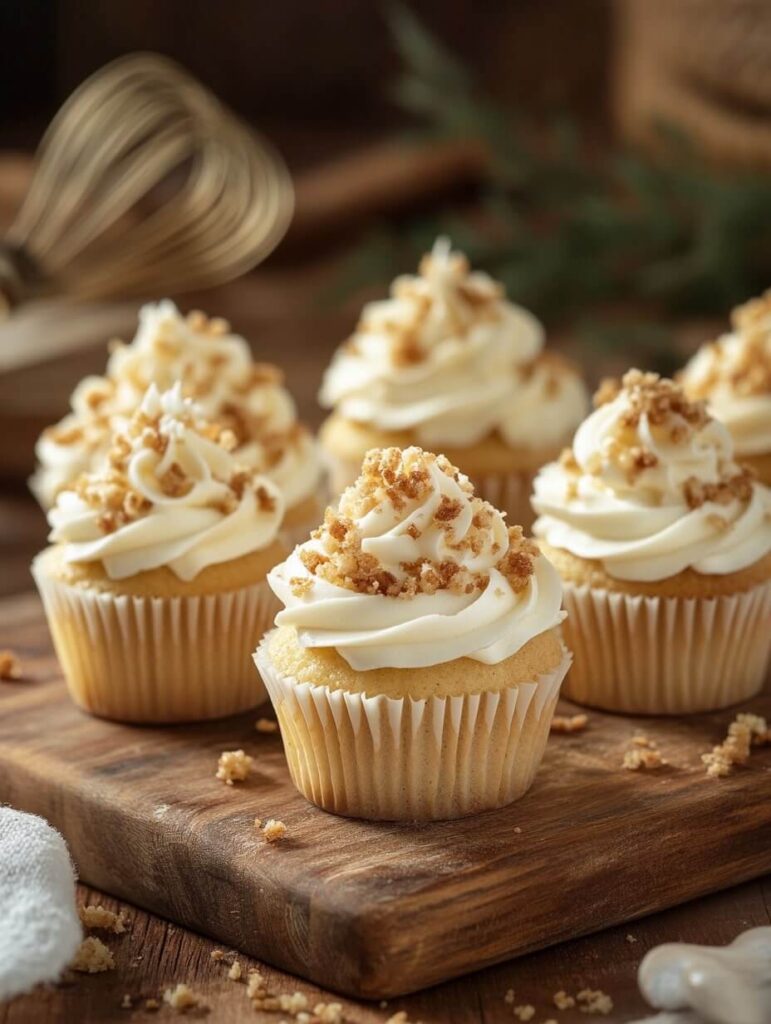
(395,477)
(233,766)
(10,666)
(745,366)
(93,957)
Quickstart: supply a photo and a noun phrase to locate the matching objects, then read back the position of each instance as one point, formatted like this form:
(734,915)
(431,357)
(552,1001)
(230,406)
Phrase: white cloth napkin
(39,926)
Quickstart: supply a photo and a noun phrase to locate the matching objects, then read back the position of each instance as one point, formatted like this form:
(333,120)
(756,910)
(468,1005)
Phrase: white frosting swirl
(650,499)
(202,522)
(216,369)
(723,371)
(448,358)
(488,622)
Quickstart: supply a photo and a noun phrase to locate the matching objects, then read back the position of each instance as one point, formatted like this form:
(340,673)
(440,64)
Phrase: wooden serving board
(374,909)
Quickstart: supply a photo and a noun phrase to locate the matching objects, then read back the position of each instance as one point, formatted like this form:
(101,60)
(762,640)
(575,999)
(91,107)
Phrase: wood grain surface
(375,909)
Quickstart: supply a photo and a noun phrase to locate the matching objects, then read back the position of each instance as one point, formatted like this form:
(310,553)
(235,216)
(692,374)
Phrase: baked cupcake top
(448,358)
(650,488)
(412,570)
(733,374)
(170,493)
(216,369)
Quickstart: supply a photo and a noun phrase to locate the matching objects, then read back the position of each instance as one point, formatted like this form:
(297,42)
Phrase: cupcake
(155,584)
(216,369)
(447,363)
(417,662)
(663,543)
(733,375)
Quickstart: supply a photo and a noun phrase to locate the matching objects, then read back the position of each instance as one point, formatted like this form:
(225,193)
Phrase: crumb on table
(181,998)
(93,957)
(216,954)
(643,753)
(266,725)
(10,666)
(563,1001)
(594,1001)
(525,1012)
(233,766)
(509,997)
(235,971)
(566,724)
(746,731)
(126,1003)
(274,830)
(101,918)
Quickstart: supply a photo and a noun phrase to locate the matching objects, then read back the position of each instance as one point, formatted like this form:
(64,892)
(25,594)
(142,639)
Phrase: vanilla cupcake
(417,662)
(449,364)
(664,547)
(155,584)
(216,369)
(733,375)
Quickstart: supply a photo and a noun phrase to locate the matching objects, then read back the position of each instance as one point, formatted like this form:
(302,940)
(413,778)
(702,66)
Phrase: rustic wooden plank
(375,909)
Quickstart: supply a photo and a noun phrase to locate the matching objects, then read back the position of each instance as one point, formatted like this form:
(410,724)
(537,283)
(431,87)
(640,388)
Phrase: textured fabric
(39,926)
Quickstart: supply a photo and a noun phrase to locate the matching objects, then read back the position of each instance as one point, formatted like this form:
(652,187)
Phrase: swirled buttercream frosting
(449,359)
(216,370)
(733,374)
(413,569)
(169,493)
(650,488)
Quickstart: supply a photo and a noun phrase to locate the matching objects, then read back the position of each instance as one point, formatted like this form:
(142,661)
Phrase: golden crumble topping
(93,957)
(100,918)
(746,367)
(233,766)
(10,666)
(566,724)
(182,998)
(392,476)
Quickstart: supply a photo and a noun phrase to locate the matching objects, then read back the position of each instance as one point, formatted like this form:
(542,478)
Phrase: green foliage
(566,233)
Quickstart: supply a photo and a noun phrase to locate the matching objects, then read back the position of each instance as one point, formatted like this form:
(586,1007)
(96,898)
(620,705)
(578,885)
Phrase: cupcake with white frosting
(733,375)
(215,368)
(155,584)
(664,546)
(449,364)
(418,659)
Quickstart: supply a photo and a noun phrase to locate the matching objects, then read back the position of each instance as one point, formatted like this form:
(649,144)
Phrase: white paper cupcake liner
(668,655)
(177,659)
(404,759)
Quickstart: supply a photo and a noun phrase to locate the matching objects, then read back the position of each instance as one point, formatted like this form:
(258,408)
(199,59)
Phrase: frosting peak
(650,488)
(216,369)
(733,374)
(413,569)
(448,357)
(170,494)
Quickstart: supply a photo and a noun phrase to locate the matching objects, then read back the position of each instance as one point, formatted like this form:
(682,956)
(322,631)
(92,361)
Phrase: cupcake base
(402,759)
(158,659)
(666,655)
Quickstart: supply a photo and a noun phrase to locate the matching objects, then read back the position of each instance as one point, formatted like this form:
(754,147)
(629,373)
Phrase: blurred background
(606,159)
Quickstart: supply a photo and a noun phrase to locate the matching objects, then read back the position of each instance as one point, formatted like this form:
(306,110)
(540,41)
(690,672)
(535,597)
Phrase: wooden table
(155,954)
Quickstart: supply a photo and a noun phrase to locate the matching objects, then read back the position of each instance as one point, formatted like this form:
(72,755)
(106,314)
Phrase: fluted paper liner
(508,492)
(147,659)
(667,655)
(404,759)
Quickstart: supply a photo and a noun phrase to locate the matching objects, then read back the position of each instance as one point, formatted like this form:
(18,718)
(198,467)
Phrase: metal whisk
(144,184)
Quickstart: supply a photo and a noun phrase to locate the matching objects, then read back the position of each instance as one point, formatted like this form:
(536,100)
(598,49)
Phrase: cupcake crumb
(509,997)
(258,822)
(563,1001)
(126,1003)
(517,829)
(643,754)
(274,830)
(525,1012)
(152,1004)
(235,971)
(93,957)
(255,984)
(10,666)
(747,730)
(266,725)
(182,998)
(216,955)
(594,1001)
(328,1013)
(98,917)
(566,724)
(233,766)
(631,938)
